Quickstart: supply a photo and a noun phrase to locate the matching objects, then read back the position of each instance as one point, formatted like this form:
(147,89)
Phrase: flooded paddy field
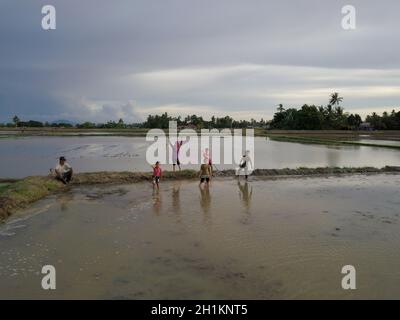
(265,239)
(21,157)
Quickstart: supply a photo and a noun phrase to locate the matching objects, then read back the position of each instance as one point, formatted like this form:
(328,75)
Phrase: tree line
(331,117)
(308,117)
(311,117)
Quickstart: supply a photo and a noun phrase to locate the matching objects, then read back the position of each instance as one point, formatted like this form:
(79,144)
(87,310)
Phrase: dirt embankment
(20,194)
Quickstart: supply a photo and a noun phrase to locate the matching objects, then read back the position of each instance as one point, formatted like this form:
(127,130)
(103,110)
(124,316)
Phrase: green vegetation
(197,122)
(20,194)
(3,187)
(311,117)
(308,117)
(386,121)
(331,117)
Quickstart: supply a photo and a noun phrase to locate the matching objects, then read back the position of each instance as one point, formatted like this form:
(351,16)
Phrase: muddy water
(263,240)
(21,157)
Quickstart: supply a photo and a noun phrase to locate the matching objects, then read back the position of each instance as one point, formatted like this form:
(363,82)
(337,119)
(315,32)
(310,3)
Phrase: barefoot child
(207,159)
(157,172)
(205,173)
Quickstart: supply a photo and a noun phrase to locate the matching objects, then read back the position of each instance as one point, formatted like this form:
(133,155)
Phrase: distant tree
(30,124)
(354,121)
(86,125)
(16,121)
(335,99)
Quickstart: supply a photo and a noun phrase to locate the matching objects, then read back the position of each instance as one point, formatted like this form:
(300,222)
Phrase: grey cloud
(101,48)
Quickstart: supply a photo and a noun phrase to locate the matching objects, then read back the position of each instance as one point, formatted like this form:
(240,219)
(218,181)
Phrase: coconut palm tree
(16,120)
(280,108)
(335,99)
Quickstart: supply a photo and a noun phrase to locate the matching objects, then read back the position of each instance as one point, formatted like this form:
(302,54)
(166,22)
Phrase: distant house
(366,126)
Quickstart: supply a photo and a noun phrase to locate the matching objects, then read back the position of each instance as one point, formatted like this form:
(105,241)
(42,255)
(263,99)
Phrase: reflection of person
(63,171)
(245,195)
(245,164)
(205,173)
(205,199)
(156,201)
(176,203)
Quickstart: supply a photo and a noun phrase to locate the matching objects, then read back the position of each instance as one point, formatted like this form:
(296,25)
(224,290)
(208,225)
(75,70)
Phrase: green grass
(20,194)
(3,187)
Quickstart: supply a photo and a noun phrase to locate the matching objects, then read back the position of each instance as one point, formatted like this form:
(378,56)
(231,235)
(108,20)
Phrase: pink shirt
(157,171)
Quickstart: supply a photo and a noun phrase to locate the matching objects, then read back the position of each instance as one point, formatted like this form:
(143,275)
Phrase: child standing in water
(157,172)
(175,154)
(205,173)
(207,159)
(245,165)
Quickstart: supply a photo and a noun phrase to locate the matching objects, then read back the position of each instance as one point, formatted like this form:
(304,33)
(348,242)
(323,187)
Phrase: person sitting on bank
(63,171)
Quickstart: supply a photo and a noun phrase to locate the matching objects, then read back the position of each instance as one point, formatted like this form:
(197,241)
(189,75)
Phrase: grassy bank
(15,195)
(22,193)
(4,186)
(314,140)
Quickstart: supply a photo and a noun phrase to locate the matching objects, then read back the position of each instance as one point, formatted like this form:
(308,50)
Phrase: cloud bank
(128,59)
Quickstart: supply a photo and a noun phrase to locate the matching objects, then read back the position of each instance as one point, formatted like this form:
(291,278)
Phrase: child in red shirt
(157,173)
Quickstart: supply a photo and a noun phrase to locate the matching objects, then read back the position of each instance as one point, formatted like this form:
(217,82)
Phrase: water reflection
(333,157)
(205,201)
(288,244)
(63,199)
(245,195)
(176,201)
(156,201)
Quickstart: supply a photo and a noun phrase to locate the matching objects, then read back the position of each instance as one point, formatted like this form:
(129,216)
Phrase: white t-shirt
(63,168)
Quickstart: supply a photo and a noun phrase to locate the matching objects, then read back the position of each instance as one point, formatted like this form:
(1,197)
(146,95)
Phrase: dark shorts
(156,179)
(65,177)
(204,179)
(177,162)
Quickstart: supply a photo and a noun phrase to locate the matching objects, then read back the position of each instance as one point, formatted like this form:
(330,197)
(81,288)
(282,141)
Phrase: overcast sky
(125,58)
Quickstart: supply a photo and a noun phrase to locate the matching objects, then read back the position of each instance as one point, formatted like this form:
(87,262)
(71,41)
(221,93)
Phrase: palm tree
(280,108)
(16,120)
(335,99)
(339,111)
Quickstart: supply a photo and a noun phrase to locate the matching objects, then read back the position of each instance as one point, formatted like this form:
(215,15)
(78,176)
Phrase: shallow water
(382,142)
(262,240)
(21,157)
